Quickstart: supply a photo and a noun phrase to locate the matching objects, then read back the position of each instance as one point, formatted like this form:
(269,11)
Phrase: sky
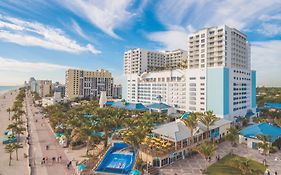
(43,38)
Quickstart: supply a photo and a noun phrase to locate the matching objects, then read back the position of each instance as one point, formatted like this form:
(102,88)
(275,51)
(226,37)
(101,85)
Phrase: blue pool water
(117,160)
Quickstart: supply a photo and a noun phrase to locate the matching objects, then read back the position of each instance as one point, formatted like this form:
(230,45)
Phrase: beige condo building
(44,87)
(87,84)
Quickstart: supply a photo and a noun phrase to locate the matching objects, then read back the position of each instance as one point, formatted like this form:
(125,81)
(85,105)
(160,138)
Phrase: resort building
(249,134)
(138,61)
(174,141)
(87,84)
(217,75)
(117,91)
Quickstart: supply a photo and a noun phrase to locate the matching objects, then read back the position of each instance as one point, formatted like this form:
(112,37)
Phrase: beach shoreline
(7,99)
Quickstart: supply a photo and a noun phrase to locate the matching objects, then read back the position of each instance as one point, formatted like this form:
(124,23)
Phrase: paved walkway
(42,135)
(193,165)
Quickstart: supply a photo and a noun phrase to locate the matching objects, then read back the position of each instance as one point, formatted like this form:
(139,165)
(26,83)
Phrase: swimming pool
(117,160)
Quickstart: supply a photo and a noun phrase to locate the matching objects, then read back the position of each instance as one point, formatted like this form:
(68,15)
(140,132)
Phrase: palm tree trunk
(10,159)
(88,145)
(106,138)
(17,154)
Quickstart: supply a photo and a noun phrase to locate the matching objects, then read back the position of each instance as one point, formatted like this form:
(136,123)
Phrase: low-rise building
(249,134)
(174,141)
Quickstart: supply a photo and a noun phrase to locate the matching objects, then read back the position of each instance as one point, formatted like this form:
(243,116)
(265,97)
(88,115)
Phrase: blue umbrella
(81,167)
(135,172)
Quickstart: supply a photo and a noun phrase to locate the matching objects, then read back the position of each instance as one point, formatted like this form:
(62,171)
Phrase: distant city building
(216,76)
(59,88)
(87,84)
(117,91)
(32,84)
(44,87)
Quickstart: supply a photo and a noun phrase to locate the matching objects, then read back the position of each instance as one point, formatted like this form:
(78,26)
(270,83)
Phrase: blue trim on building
(254,100)
(225,91)
(218,90)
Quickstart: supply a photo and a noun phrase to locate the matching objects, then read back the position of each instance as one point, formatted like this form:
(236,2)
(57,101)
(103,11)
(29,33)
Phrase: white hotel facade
(217,75)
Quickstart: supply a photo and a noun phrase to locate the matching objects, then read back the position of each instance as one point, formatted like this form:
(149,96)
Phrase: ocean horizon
(7,88)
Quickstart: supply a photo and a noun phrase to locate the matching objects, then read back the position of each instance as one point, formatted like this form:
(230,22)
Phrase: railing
(101,155)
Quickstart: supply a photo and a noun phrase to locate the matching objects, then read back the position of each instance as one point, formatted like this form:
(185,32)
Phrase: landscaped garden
(236,165)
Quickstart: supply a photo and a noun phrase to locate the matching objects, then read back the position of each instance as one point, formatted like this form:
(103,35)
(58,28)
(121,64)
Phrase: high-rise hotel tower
(214,74)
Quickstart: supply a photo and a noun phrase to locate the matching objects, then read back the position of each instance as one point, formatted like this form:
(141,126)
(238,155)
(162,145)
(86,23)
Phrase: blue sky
(44,38)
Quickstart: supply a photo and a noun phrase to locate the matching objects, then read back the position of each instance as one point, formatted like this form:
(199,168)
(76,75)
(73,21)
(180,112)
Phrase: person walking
(54,159)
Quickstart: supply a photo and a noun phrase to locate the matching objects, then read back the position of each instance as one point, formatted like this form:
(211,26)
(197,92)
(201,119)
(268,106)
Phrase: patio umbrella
(81,167)
(135,172)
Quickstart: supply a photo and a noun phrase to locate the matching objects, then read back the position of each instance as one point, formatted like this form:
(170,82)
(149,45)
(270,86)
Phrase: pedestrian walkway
(42,135)
(193,164)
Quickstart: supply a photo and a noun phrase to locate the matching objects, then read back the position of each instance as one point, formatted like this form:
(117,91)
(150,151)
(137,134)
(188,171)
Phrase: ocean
(7,88)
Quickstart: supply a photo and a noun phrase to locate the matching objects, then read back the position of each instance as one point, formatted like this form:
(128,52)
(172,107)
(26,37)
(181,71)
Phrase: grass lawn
(222,167)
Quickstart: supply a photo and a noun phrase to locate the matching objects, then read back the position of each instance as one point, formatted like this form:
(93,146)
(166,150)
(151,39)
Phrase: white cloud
(106,15)
(78,30)
(15,72)
(270,17)
(266,59)
(176,38)
(7,64)
(36,34)
(268,29)
(202,13)
(196,14)
(170,39)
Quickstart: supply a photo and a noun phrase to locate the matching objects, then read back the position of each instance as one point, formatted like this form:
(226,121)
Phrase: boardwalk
(42,135)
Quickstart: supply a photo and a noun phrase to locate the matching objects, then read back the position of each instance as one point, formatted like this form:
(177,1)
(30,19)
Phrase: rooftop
(270,130)
(129,106)
(272,105)
(177,130)
(159,106)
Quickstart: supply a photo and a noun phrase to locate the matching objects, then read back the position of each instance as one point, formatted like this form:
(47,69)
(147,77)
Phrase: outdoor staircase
(153,171)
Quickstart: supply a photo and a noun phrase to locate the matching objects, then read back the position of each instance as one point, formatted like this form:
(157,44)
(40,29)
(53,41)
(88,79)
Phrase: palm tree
(16,147)
(208,119)
(232,135)
(191,123)
(183,64)
(206,150)
(10,149)
(135,137)
(9,110)
(264,144)
(17,129)
(105,122)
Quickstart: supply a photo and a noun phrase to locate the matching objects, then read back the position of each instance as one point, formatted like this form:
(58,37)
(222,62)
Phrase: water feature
(117,160)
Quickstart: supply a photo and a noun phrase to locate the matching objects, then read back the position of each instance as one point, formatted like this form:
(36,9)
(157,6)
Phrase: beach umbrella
(135,172)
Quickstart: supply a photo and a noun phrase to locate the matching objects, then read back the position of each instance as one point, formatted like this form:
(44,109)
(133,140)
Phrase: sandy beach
(18,167)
